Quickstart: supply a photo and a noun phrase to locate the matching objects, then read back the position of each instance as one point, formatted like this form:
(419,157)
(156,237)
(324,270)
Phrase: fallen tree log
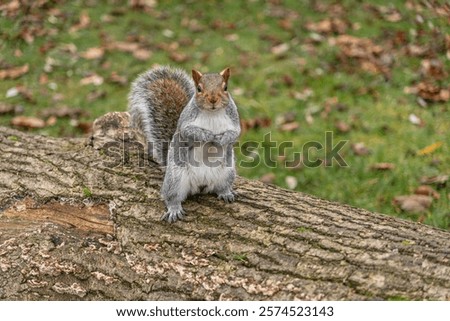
(75,224)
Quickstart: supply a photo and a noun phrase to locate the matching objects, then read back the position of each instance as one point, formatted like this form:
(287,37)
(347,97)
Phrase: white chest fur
(206,170)
(216,121)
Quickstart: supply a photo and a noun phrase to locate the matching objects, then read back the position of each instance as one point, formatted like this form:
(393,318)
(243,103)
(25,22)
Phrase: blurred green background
(375,74)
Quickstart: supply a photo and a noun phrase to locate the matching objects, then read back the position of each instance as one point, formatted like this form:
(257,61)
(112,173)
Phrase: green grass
(377,109)
(242,257)
(87,192)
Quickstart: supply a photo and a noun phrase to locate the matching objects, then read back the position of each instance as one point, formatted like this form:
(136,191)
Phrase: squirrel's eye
(225,88)
(199,89)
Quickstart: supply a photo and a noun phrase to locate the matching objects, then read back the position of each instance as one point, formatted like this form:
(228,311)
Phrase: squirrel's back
(155,102)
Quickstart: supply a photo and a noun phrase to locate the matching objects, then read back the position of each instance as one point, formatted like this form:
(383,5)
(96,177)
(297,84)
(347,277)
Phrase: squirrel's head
(211,89)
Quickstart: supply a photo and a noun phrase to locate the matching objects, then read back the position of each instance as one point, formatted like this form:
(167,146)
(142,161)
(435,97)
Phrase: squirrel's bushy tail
(155,102)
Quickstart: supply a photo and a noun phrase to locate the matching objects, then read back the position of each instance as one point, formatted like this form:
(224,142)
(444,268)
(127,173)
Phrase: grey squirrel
(191,126)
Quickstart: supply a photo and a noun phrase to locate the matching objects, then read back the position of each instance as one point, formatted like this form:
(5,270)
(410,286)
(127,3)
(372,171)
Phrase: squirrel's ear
(196,75)
(225,74)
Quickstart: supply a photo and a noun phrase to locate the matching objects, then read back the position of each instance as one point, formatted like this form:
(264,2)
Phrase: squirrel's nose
(213,100)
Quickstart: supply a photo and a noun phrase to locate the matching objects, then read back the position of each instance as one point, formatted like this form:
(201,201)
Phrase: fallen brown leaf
(329,106)
(281,158)
(27,34)
(46,47)
(14,72)
(289,127)
(268,178)
(258,122)
(427,190)
(433,68)
(20,90)
(383,166)
(116,78)
(18,53)
(92,79)
(276,10)
(28,122)
(193,25)
(85,127)
(142,54)
(416,50)
(309,118)
(142,4)
(286,24)
(331,8)
(107,18)
(178,57)
(57,97)
(288,117)
(168,47)
(84,21)
(303,94)
(357,47)
(123,46)
(430,91)
(237,91)
(327,26)
(342,126)
(232,37)
(10,109)
(360,149)
(288,80)
(96,94)
(413,203)
(280,50)
(43,79)
(10,8)
(370,66)
(63,111)
(440,180)
(93,53)
(221,24)
(52,120)
(371,57)
(390,14)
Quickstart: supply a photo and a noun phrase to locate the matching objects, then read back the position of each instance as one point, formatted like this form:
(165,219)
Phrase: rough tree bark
(74,227)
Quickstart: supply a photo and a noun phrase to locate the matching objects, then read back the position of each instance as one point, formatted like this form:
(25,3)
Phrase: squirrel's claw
(228,197)
(172,215)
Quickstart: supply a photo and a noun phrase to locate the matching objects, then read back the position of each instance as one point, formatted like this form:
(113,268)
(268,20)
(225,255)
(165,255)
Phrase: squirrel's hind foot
(173,214)
(229,197)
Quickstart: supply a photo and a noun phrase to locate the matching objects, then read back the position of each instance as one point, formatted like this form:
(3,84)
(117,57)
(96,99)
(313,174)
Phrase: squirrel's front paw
(227,197)
(221,139)
(228,137)
(208,136)
(216,139)
(173,213)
